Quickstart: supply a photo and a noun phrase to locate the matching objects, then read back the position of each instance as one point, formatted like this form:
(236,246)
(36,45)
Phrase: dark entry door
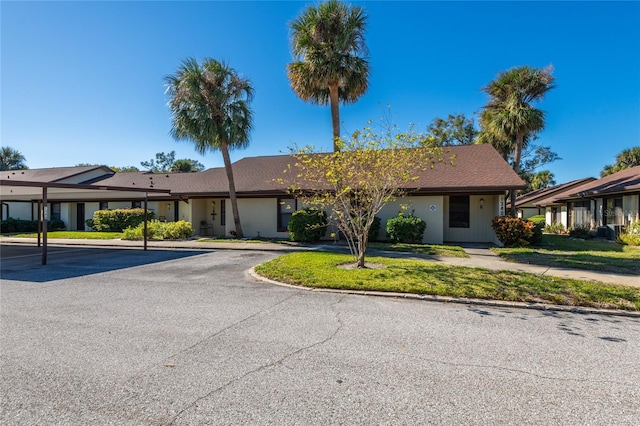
(80,217)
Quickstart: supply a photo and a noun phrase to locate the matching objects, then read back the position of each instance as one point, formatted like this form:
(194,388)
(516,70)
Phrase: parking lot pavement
(116,336)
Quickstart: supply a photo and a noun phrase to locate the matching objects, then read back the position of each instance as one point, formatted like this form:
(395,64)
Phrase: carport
(44,192)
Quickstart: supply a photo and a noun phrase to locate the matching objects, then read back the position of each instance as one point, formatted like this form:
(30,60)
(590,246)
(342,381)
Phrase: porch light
(481,202)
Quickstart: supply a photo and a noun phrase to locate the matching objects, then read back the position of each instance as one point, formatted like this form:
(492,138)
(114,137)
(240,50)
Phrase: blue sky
(82,82)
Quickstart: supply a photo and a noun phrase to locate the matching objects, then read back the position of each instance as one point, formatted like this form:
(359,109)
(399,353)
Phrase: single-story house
(612,201)
(457,202)
(527,204)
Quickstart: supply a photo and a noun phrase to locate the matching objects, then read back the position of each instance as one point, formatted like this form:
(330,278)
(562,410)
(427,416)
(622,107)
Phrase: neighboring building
(457,202)
(527,205)
(612,202)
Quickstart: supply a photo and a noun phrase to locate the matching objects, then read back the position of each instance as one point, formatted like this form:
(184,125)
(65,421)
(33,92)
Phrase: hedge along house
(607,204)
(457,202)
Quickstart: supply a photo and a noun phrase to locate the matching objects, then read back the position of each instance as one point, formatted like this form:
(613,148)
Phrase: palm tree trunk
(516,168)
(335,114)
(232,189)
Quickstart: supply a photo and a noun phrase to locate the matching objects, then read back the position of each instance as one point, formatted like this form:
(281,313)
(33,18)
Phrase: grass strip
(73,235)
(426,249)
(322,270)
(566,252)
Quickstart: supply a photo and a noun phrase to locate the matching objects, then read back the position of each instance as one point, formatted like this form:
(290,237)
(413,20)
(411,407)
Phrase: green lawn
(76,235)
(321,269)
(563,251)
(428,249)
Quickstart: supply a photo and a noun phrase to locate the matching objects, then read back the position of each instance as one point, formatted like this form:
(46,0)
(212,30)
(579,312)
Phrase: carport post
(45,217)
(146,194)
(39,221)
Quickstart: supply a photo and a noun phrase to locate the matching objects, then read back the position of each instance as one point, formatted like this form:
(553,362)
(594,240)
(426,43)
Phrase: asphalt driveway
(117,336)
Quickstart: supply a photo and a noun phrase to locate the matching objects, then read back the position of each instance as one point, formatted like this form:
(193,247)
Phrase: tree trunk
(517,154)
(232,189)
(335,114)
(362,247)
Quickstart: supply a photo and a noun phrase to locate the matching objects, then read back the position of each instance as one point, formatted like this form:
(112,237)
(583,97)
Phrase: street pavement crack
(529,373)
(268,365)
(199,342)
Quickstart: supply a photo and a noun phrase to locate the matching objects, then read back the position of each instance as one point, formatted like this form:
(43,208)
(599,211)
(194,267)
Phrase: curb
(445,299)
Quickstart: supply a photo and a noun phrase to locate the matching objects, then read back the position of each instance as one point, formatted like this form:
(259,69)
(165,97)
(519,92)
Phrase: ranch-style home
(527,204)
(457,202)
(607,204)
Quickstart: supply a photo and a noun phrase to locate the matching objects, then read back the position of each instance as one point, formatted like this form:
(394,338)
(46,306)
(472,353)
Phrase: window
(580,213)
(613,214)
(459,211)
(104,205)
(136,204)
(223,212)
(286,207)
(55,211)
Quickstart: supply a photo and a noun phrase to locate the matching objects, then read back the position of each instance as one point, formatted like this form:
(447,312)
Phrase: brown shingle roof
(627,180)
(53,174)
(544,193)
(478,168)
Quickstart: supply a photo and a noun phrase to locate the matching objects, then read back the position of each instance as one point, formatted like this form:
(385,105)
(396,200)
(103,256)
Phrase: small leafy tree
(164,163)
(357,180)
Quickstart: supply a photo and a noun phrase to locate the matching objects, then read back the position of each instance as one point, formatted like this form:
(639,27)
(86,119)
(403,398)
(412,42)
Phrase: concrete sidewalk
(479,256)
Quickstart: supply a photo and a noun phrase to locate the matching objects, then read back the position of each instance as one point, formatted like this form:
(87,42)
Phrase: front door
(80,216)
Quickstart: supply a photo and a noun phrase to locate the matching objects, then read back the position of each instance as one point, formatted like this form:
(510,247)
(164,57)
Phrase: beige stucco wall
(83,177)
(258,217)
(428,208)
(480,217)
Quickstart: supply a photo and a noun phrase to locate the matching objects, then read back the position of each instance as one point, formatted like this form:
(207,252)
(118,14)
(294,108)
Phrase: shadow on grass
(564,252)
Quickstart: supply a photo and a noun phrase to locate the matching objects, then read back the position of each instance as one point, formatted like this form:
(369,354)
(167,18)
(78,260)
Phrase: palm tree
(12,159)
(329,67)
(210,107)
(626,159)
(509,118)
(543,179)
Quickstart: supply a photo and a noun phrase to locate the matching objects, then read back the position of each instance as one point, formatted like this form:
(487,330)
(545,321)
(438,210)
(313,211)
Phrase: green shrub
(554,228)
(513,231)
(538,227)
(631,235)
(580,231)
(307,225)
(539,218)
(118,220)
(374,231)
(157,230)
(11,226)
(177,230)
(406,229)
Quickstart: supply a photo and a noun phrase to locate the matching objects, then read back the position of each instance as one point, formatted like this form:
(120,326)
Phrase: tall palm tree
(542,179)
(626,159)
(210,107)
(510,118)
(12,159)
(329,52)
